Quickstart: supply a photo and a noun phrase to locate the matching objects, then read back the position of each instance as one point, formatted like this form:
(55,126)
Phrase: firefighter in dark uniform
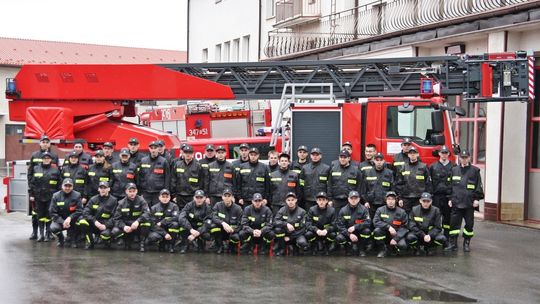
(441,174)
(354,226)
(412,180)
(65,209)
(391,226)
(282,182)
(44,182)
(209,156)
(253,177)
(225,226)
(194,220)
(35,160)
(273,161)
(165,226)
(100,171)
(369,153)
(108,150)
(164,153)
(256,226)
(425,226)
(242,158)
(132,218)
(320,226)
(467,191)
(98,217)
(314,178)
(153,175)
(136,156)
(123,172)
(290,227)
(344,178)
(77,173)
(297,165)
(85,159)
(218,177)
(377,182)
(402,157)
(186,178)
(347,146)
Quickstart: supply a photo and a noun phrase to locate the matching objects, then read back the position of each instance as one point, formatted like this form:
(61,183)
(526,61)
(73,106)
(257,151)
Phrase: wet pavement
(503,267)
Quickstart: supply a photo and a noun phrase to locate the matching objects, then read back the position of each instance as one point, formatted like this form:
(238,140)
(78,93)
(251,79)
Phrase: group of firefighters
(178,204)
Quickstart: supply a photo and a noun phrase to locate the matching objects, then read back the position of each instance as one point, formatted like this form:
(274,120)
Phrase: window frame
(476,119)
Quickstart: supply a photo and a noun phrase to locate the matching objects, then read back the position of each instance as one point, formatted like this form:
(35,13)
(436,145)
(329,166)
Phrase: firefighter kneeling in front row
(290,226)
(391,224)
(425,226)
(256,226)
(194,221)
(132,218)
(165,226)
(320,226)
(65,209)
(353,223)
(225,225)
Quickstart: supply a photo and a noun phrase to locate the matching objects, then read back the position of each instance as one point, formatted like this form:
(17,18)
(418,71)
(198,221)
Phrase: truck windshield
(416,124)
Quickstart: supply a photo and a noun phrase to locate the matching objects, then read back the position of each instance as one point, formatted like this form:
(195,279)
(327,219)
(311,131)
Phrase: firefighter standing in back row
(402,157)
(253,177)
(467,191)
(123,173)
(153,175)
(412,180)
(85,159)
(44,182)
(77,173)
(344,178)
(441,174)
(218,177)
(297,165)
(187,177)
(36,160)
(209,156)
(135,155)
(283,181)
(100,171)
(314,178)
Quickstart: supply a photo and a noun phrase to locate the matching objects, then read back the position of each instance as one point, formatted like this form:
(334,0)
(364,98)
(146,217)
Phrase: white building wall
(215,26)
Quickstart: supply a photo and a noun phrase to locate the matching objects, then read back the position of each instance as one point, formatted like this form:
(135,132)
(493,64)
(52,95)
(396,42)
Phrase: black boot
(33,236)
(41,226)
(60,238)
(183,247)
(354,248)
(467,244)
(263,248)
(245,248)
(88,242)
(382,252)
(48,234)
(279,248)
(330,248)
(452,244)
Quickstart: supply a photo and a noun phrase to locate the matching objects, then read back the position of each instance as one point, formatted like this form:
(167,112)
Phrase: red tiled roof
(17,52)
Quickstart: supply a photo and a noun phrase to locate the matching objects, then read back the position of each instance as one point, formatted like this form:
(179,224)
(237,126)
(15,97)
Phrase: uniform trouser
(363,235)
(219,235)
(383,237)
(266,237)
(409,203)
(33,212)
(339,203)
(441,202)
(142,231)
(184,233)
(158,233)
(415,239)
(294,238)
(43,217)
(151,198)
(72,231)
(89,230)
(182,200)
(455,221)
(312,237)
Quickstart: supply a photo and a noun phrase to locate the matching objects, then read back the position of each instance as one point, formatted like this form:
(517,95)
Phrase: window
(245,48)
(470,131)
(235,50)
(535,122)
(416,124)
(227,51)
(204,57)
(218,53)
(270,9)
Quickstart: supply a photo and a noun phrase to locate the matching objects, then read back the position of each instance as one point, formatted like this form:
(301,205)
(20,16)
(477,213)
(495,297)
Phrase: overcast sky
(158,24)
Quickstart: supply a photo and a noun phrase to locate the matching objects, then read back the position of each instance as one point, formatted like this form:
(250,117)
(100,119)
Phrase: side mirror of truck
(437,139)
(437,121)
(406,108)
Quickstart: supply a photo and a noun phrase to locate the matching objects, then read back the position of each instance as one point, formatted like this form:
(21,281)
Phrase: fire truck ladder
(482,78)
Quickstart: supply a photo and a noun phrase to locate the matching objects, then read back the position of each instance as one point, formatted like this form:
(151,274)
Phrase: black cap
(254,150)
(220,148)
(164,191)
(44,137)
(187,149)
(46,154)
(464,153)
(227,191)
(354,194)
(104,184)
(99,153)
(316,151)
(407,140)
(344,153)
(153,144)
(209,147)
(425,196)
(131,186)
(378,155)
(257,197)
(133,140)
(444,149)
(302,147)
(160,143)
(199,193)
(290,194)
(347,143)
(283,154)
(67,181)
(124,151)
(391,193)
(108,144)
(321,194)
(73,154)
(413,150)
(244,145)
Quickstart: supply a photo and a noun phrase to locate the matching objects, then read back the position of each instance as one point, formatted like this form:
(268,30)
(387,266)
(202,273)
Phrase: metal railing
(373,19)
(287,10)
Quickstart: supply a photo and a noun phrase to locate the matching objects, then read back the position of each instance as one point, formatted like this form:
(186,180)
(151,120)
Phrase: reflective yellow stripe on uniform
(105,215)
(221,215)
(60,203)
(297,171)
(136,213)
(378,238)
(193,180)
(468,233)
(91,173)
(384,215)
(79,181)
(242,171)
(418,219)
(454,232)
(336,173)
(145,166)
(83,222)
(471,186)
(351,181)
(280,235)
(251,218)
(214,230)
(399,163)
(315,218)
(67,174)
(204,165)
(386,184)
(323,178)
(117,171)
(456,178)
(302,182)
(146,224)
(38,174)
(180,170)
(406,173)
(369,178)
(260,179)
(172,230)
(124,209)
(103,179)
(158,214)
(276,179)
(53,182)
(104,237)
(420,177)
(214,169)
